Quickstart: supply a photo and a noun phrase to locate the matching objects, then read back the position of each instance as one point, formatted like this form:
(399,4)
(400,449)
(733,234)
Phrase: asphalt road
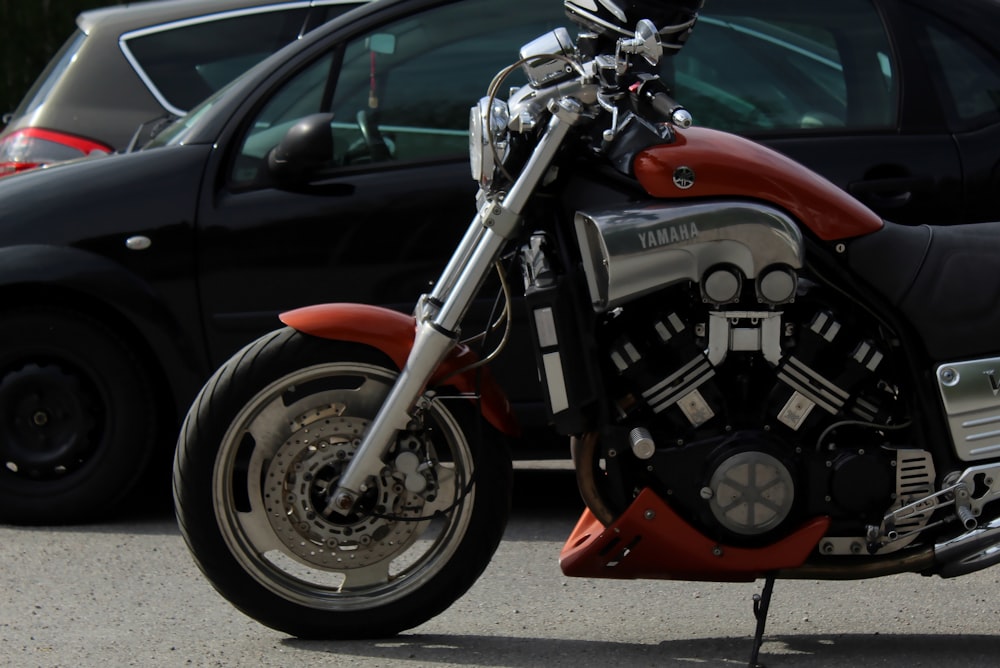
(126,593)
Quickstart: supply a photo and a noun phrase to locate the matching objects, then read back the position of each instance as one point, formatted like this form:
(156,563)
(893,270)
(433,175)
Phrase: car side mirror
(305,149)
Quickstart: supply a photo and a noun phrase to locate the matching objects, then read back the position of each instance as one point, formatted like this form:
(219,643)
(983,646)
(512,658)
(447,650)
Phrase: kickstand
(761,602)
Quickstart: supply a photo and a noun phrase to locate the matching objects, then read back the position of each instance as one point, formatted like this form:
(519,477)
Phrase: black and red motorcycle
(759,376)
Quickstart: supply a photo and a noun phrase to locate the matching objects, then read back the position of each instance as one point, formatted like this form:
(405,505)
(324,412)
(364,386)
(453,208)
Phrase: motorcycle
(759,377)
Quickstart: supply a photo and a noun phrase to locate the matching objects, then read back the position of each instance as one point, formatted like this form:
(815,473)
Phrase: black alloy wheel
(77,417)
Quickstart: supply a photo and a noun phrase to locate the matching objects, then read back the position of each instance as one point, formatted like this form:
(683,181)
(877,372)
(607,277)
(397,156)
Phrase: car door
(963,63)
(823,83)
(382,223)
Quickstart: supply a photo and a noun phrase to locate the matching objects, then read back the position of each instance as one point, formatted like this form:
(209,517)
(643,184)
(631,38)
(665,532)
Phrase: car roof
(136,15)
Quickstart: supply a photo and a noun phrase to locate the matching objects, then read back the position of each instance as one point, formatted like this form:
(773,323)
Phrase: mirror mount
(647,42)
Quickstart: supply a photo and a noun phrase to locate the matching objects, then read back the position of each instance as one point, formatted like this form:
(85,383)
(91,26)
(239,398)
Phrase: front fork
(439,315)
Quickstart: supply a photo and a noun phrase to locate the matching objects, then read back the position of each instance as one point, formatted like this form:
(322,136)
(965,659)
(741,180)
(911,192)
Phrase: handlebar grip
(669,108)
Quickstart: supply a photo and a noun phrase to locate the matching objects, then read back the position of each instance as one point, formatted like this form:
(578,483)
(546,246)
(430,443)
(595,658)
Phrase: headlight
(487,138)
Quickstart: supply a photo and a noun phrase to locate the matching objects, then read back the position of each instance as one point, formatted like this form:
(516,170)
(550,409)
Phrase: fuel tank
(708,163)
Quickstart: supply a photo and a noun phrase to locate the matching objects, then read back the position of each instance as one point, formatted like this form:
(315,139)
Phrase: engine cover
(969,391)
(632,252)
(750,493)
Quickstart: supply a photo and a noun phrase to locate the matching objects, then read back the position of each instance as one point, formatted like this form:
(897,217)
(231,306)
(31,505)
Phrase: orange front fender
(392,333)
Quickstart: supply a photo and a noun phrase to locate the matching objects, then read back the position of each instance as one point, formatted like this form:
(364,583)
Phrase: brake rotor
(302,474)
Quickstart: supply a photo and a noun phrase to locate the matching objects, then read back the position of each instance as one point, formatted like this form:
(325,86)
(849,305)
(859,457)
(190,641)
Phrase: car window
(53,71)
(966,76)
(304,94)
(411,84)
(403,92)
(183,63)
(779,66)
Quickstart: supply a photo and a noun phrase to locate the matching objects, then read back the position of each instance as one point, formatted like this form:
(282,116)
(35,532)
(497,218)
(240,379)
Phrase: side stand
(761,602)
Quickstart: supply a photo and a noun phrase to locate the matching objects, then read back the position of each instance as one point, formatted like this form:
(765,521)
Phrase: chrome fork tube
(500,221)
(459,259)
(438,321)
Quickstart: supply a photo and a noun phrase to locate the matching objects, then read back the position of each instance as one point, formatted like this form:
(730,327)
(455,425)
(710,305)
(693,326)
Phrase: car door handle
(889,193)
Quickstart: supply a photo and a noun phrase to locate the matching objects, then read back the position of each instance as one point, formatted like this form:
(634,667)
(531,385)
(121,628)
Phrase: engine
(745,395)
(751,420)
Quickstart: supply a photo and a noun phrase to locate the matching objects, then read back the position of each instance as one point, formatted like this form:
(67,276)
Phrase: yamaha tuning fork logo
(683,177)
(994,381)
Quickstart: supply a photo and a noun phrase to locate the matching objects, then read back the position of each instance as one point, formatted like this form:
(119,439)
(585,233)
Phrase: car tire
(77,417)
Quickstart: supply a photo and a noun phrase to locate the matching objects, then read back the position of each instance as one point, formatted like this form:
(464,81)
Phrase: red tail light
(28,148)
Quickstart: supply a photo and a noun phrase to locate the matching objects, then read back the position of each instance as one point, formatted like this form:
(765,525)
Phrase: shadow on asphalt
(540,491)
(814,651)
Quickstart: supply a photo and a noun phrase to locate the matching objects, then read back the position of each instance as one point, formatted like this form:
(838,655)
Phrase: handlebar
(669,108)
(652,91)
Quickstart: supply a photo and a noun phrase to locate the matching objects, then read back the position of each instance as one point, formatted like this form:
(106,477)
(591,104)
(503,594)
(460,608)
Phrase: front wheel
(262,448)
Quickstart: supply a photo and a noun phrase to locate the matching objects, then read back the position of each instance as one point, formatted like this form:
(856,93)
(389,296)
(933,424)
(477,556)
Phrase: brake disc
(302,474)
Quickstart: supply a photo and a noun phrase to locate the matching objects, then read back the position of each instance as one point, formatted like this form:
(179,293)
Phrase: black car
(125,280)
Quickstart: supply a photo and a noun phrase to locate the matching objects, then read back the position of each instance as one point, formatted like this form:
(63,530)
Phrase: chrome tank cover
(631,252)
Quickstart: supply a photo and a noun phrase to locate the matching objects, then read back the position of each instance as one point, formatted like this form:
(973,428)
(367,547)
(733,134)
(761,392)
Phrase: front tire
(262,447)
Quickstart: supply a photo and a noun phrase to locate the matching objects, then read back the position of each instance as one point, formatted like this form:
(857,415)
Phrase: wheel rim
(281,457)
(49,416)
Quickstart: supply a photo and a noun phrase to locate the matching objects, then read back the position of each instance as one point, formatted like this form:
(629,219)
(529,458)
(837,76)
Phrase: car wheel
(77,417)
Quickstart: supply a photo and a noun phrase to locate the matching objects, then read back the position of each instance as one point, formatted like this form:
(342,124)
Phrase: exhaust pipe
(972,551)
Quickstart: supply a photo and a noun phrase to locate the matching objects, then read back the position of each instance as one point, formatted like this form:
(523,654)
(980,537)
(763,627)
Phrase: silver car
(127,69)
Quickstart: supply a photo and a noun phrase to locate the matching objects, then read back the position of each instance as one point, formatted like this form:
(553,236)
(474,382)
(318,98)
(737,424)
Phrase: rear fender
(392,333)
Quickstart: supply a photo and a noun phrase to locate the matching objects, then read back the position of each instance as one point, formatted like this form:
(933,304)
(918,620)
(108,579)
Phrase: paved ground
(126,593)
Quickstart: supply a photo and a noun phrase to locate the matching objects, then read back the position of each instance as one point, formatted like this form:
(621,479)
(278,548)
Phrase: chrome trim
(746,331)
(681,383)
(984,485)
(634,251)
(969,552)
(540,64)
(970,392)
(812,385)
